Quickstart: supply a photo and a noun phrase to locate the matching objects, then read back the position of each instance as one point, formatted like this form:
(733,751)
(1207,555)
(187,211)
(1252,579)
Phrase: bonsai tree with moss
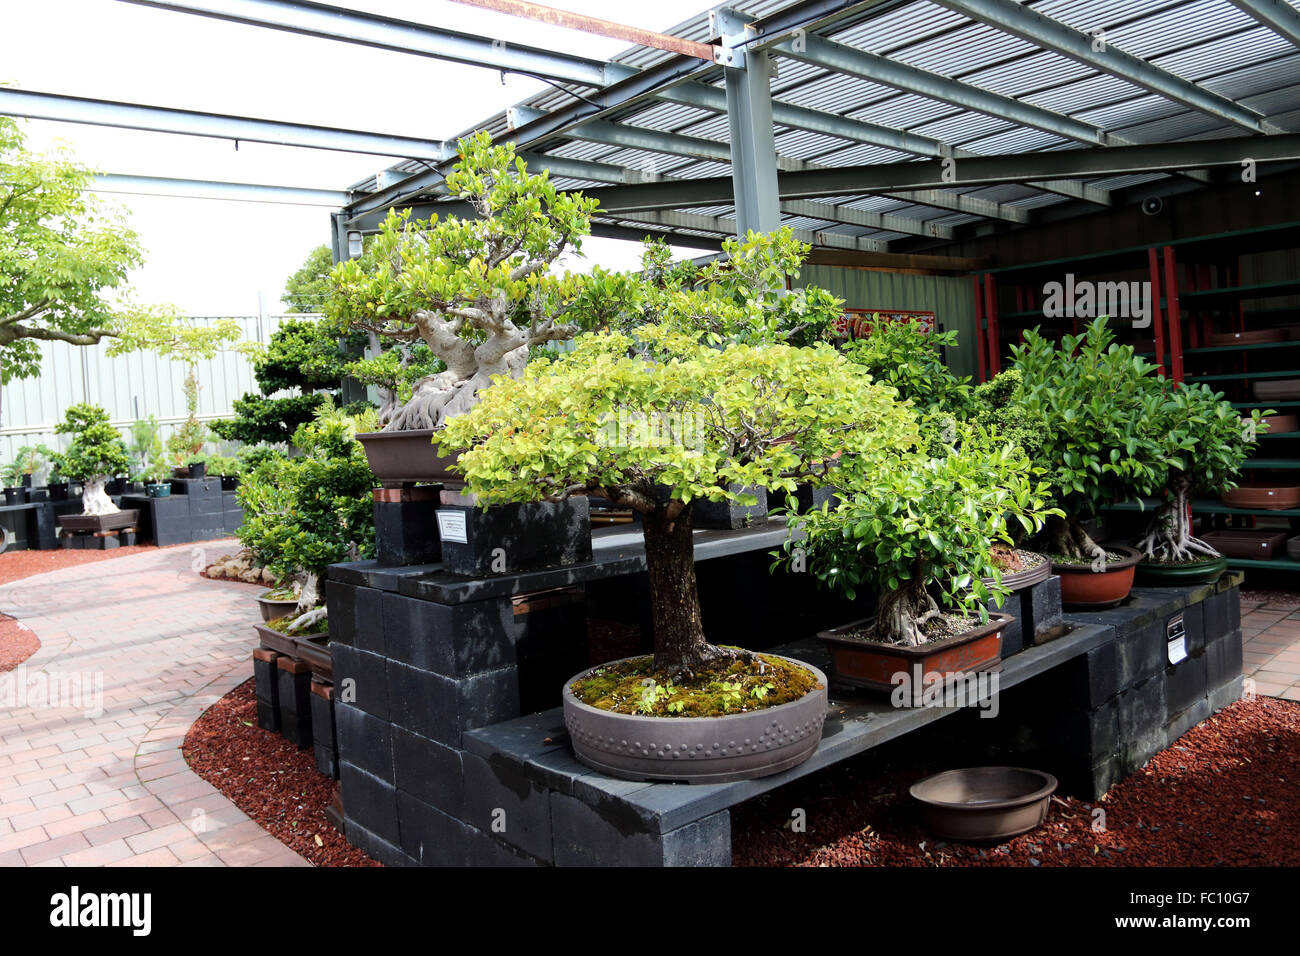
(306,512)
(663,422)
(921,527)
(95,454)
(907,357)
(1206,442)
(479,293)
(1098,408)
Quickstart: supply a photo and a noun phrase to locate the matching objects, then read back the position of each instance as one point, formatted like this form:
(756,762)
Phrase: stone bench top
(615,550)
(537,747)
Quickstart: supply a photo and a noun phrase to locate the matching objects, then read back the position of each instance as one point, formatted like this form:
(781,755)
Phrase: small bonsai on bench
(97,453)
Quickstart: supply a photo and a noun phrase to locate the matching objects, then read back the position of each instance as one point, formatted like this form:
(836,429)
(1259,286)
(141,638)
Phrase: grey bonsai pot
(697,749)
(405,456)
(273,608)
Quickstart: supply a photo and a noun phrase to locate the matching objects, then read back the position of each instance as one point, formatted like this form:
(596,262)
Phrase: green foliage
(905,356)
(307,289)
(1205,439)
(27,460)
(64,261)
(397,369)
(740,297)
(146,441)
(924,524)
(262,420)
(306,512)
(1098,409)
(97,450)
(187,440)
(304,354)
(676,413)
(994,407)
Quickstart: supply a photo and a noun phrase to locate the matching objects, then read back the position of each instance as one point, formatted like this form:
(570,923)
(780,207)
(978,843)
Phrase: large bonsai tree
(480,293)
(921,526)
(305,512)
(97,453)
(1206,442)
(659,424)
(1096,405)
(64,261)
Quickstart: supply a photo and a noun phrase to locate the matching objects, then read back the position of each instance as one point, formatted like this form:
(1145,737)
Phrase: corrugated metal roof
(1209,42)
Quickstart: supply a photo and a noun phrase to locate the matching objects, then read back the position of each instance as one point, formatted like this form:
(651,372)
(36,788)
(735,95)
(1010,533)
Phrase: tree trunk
(311,603)
(1067,538)
(1169,536)
(94,500)
(901,613)
(674,600)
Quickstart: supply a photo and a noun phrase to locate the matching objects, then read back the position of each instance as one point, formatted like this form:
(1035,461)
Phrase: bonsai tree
(394,373)
(146,441)
(306,512)
(28,460)
(921,526)
(1098,408)
(187,440)
(1206,443)
(907,357)
(96,454)
(658,424)
(479,293)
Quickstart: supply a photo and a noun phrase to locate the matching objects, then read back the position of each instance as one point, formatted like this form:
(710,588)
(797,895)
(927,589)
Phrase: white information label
(451,526)
(1177,649)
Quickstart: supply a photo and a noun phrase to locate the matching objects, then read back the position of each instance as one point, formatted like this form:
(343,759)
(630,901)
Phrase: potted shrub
(919,534)
(280,601)
(480,294)
(909,358)
(657,424)
(306,512)
(186,443)
(154,473)
(15,493)
(1098,408)
(96,452)
(1206,443)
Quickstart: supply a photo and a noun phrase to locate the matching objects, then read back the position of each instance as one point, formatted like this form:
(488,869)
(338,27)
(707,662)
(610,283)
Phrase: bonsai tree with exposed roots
(1206,443)
(922,526)
(662,422)
(480,293)
(97,453)
(1098,408)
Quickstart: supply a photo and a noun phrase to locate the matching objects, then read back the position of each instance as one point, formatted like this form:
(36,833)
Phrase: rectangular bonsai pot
(875,666)
(312,648)
(121,519)
(1243,543)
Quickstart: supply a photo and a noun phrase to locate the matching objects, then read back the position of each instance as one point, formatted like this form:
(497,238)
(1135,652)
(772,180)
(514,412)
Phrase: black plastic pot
(229,482)
(198,469)
(16,496)
(58,490)
(27,481)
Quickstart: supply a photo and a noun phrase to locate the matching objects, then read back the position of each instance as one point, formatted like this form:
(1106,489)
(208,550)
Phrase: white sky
(212,257)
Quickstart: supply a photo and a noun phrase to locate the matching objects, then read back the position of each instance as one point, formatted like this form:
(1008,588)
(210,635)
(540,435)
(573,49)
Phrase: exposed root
(95,500)
(309,619)
(710,656)
(1169,537)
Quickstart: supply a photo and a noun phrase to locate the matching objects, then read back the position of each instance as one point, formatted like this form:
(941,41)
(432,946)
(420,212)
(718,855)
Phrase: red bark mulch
(268,778)
(17,643)
(1225,794)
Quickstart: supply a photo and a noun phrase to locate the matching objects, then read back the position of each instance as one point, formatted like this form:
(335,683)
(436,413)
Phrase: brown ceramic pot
(1083,587)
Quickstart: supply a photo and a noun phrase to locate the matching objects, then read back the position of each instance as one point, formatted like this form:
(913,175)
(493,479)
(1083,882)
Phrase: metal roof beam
(879,69)
(402,36)
(726,226)
(215,189)
(865,218)
(1278,16)
(1092,50)
(75,109)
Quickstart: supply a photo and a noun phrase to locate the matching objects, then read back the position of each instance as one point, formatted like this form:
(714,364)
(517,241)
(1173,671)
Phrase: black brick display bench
(442,763)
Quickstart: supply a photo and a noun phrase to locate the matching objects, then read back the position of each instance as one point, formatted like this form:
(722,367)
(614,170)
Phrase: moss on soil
(281,624)
(733,687)
(280,594)
(1180,564)
(1111,557)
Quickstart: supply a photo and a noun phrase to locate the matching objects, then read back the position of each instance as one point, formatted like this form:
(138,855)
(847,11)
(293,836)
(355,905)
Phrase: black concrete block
(1143,653)
(364,740)
(295,707)
(807,498)
(1186,719)
(360,679)
(501,801)
(203,528)
(340,602)
(507,539)
(375,846)
(266,683)
(583,837)
(1013,635)
(1185,683)
(1221,613)
(369,801)
(171,529)
(442,708)
(428,770)
(1142,721)
(406,533)
(368,620)
(1193,627)
(1223,659)
(1225,694)
(429,836)
(268,716)
(1095,676)
(452,640)
(1041,611)
(327,761)
(729,515)
(232,520)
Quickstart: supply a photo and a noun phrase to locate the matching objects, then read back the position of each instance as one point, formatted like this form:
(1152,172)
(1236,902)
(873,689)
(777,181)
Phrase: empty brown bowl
(984,803)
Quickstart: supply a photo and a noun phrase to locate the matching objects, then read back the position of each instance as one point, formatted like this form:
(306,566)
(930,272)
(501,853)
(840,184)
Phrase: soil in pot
(1020,569)
(1083,587)
(633,686)
(281,626)
(1172,574)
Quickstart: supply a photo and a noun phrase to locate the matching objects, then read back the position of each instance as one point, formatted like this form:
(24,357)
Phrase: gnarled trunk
(903,613)
(1067,538)
(311,603)
(95,500)
(1169,536)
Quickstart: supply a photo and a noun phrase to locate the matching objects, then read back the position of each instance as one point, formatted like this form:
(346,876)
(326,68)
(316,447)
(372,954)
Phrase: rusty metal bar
(606,28)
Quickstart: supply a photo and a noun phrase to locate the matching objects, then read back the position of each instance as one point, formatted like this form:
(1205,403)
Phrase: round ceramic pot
(160,489)
(697,749)
(1083,587)
(984,803)
(273,608)
(1019,580)
(1172,575)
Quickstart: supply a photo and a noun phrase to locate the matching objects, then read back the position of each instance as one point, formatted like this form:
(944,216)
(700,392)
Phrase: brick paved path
(79,788)
(1270,631)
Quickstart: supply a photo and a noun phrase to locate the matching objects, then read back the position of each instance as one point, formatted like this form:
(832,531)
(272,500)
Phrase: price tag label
(1176,634)
(451,526)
